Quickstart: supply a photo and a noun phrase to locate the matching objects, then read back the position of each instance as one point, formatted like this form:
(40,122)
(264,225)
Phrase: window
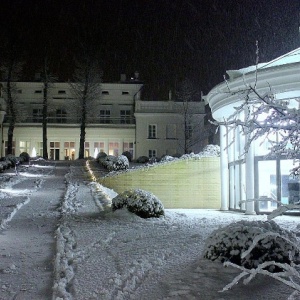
(19,91)
(38,91)
(105,116)
(171,131)
(24,146)
(99,146)
(125,93)
(61,92)
(39,148)
(113,148)
(152,153)
(37,115)
(152,132)
(69,150)
(61,116)
(13,147)
(54,150)
(128,146)
(105,92)
(125,116)
(86,149)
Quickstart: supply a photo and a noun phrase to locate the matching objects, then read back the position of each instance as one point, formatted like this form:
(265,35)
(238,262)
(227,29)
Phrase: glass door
(266,185)
(289,185)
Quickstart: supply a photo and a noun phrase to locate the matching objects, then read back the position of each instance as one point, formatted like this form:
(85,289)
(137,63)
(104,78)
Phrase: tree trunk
(12,117)
(44,121)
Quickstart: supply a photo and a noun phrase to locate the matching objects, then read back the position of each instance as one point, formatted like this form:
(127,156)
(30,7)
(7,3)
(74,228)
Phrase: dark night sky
(165,40)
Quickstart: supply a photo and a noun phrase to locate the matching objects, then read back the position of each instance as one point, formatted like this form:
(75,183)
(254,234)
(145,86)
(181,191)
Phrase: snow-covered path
(60,240)
(27,240)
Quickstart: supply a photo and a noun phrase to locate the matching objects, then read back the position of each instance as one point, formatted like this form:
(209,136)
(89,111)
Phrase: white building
(120,122)
(161,127)
(257,178)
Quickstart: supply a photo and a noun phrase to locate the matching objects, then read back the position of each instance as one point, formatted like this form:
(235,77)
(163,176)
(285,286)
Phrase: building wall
(117,116)
(166,115)
(180,184)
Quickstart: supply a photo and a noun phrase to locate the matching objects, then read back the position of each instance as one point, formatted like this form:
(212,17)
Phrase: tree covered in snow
(139,202)
(265,118)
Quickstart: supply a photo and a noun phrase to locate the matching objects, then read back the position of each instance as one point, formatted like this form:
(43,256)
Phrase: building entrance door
(274,184)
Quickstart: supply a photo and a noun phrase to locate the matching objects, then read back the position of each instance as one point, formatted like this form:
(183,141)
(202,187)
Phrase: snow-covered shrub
(142,159)
(128,155)
(167,158)
(228,243)
(121,163)
(211,150)
(101,155)
(13,159)
(113,163)
(25,156)
(140,202)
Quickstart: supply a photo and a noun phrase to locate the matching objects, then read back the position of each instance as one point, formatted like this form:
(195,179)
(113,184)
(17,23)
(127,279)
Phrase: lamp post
(2,114)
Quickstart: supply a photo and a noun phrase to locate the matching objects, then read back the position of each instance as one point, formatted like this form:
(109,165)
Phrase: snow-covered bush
(113,163)
(140,202)
(211,150)
(128,155)
(142,159)
(101,155)
(228,243)
(121,163)
(13,159)
(167,158)
(25,156)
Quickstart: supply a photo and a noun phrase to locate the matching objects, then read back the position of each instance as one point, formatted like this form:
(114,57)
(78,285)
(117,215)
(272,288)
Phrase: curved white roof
(279,76)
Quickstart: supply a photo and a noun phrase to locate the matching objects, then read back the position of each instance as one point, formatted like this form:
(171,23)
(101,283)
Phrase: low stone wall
(189,183)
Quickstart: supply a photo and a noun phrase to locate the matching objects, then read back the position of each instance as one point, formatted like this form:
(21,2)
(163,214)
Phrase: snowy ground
(59,240)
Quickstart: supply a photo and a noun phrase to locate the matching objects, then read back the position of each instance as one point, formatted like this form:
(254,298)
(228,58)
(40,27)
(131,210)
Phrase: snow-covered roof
(288,58)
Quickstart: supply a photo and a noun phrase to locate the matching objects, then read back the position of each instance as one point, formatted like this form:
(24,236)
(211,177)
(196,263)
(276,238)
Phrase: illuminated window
(24,146)
(69,150)
(113,148)
(128,146)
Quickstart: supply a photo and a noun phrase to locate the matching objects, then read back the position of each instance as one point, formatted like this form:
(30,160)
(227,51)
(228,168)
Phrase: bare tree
(11,71)
(48,79)
(86,89)
(192,115)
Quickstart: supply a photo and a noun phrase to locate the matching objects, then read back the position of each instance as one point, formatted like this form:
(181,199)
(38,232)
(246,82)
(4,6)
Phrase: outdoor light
(33,152)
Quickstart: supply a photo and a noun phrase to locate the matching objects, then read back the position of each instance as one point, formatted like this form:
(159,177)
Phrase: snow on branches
(265,118)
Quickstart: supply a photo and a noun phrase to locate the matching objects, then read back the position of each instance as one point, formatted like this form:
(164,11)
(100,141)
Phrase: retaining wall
(190,183)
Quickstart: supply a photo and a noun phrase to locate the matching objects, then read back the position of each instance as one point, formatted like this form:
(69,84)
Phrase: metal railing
(76,120)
